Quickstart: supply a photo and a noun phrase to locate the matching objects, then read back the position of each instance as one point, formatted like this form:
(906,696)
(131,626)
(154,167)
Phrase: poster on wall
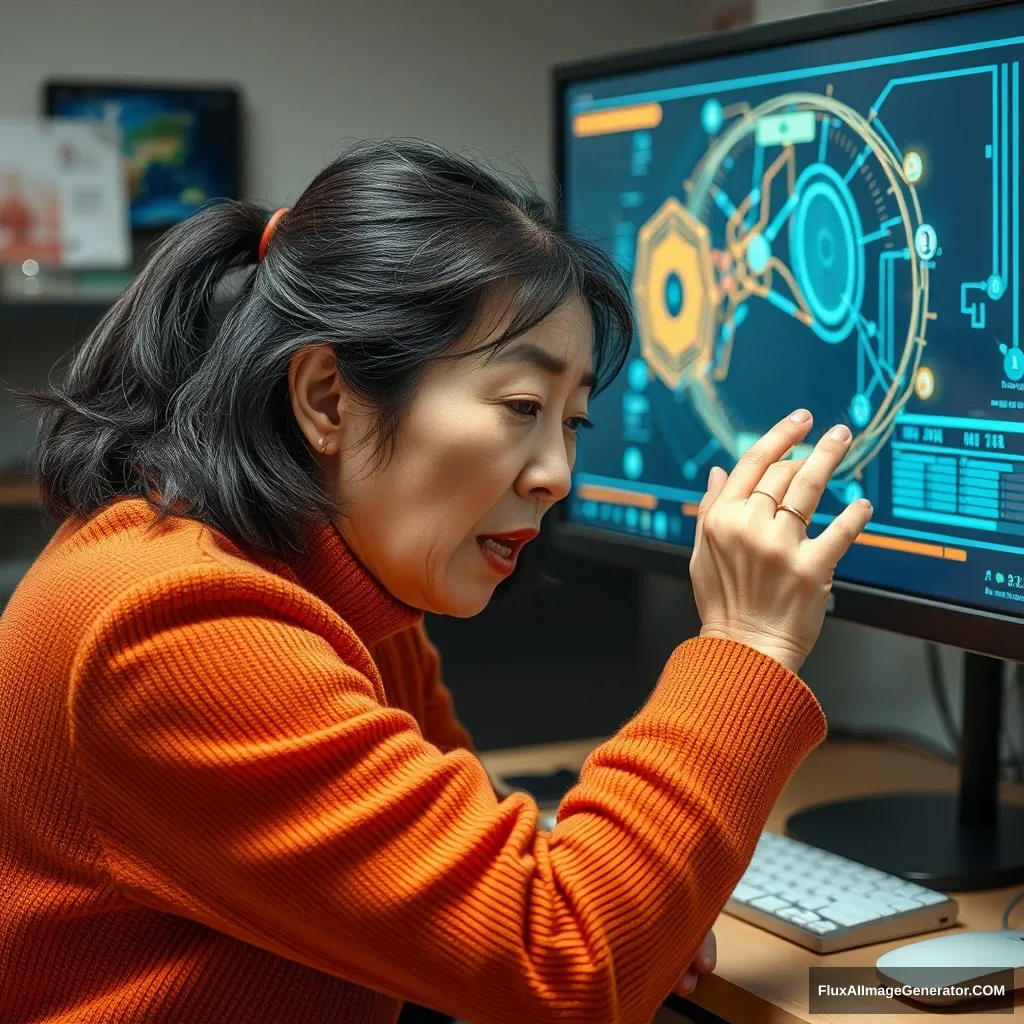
(62,194)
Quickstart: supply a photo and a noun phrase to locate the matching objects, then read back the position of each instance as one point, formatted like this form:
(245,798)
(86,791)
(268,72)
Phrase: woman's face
(486,449)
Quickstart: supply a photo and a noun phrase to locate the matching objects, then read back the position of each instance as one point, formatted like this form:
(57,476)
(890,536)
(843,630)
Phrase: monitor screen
(833,224)
(180,145)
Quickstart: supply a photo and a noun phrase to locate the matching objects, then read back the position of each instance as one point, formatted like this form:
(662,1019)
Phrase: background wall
(316,72)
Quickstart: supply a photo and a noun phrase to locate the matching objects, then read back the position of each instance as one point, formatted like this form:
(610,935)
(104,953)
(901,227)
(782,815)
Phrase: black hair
(387,256)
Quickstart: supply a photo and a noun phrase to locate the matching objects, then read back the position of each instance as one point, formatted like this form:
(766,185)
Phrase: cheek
(455,469)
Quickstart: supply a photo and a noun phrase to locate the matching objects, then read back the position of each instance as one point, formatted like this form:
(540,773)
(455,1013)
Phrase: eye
(577,423)
(524,407)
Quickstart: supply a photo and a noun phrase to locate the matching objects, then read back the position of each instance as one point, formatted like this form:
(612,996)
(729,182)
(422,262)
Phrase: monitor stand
(952,842)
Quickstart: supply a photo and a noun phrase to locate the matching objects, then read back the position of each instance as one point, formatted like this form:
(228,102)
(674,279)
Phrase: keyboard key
(874,875)
(745,893)
(860,888)
(889,884)
(803,917)
(851,899)
(771,904)
(794,894)
(882,896)
(813,903)
(848,916)
(929,898)
(791,914)
(825,890)
(901,904)
(822,927)
(910,889)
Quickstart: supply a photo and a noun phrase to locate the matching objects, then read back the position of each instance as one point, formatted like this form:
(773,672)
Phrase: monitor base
(920,837)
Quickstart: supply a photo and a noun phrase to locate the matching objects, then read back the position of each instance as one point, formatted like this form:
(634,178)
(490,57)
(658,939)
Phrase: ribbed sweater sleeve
(241,769)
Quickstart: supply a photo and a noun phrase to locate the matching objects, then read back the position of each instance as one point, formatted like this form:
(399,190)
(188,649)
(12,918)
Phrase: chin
(466,603)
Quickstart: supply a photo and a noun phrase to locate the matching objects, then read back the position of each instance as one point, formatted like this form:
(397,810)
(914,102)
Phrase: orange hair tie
(268,231)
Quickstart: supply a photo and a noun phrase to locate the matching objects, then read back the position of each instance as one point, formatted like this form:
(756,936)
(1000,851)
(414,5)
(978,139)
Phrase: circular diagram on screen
(794,274)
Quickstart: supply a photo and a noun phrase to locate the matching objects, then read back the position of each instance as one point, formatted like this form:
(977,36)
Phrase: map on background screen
(179,147)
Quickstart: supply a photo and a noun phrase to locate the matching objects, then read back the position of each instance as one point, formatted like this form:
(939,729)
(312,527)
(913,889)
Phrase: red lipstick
(501,550)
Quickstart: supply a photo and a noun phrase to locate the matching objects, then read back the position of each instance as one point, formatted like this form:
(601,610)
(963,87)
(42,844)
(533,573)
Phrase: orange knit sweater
(233,790)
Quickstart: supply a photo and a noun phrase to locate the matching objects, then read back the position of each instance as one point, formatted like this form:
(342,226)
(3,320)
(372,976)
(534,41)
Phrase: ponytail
(101,432)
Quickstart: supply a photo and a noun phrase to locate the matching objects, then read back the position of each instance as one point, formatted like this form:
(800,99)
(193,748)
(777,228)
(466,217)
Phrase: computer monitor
(825,212)
(181,144)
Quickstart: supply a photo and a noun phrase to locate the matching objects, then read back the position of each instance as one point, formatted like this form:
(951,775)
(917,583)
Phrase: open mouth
(500,551)
(503,549)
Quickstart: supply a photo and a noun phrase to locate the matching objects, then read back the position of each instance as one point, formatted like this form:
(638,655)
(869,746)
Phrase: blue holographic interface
(834,225)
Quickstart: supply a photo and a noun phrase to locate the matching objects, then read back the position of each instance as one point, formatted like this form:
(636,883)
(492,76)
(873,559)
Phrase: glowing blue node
(638,375)
(926,241)
(827,257)
(759,252)
(1013,364)
(632,516)
(690,470)
(711,116)
(632,463)
(853,491)
(860,410)
(674,294)
(995,286)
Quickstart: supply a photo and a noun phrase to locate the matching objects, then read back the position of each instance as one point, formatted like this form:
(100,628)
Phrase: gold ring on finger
(796,512)
(774,500)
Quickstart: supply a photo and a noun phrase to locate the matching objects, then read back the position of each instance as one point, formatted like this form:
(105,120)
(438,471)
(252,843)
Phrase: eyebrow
(545,361)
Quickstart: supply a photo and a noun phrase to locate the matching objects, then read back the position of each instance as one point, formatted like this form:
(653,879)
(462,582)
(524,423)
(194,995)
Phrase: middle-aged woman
(232,786)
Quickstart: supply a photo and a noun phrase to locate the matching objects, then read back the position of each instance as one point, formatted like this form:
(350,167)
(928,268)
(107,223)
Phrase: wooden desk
(762,979)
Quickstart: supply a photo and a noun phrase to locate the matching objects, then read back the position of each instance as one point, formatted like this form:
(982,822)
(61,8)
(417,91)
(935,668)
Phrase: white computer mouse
(962,959)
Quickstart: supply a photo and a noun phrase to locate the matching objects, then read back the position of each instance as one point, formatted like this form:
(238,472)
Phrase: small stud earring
(323,445)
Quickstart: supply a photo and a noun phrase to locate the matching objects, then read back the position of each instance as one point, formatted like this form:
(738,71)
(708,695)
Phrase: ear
(318,397)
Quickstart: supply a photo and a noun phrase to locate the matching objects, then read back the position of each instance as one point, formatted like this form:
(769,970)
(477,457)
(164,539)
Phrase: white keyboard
(828,903)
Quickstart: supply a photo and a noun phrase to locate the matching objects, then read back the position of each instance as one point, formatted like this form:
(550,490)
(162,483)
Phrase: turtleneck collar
(330,570)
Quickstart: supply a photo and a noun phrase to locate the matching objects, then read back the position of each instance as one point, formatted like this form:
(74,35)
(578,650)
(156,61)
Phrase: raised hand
(757,576)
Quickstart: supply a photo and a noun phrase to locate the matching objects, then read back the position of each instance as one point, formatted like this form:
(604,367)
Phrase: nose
(547,475)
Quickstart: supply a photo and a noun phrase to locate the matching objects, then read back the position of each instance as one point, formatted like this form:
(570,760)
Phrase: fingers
(836,538)
(704,962)
(810,482)
(767,496)
(707,956)
(716,480)
(687,983)
(769,449)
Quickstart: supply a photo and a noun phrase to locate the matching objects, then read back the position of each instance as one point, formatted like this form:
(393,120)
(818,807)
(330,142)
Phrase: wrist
(786,654)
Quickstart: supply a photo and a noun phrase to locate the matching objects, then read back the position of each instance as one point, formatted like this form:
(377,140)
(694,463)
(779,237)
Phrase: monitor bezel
(979,630)
(229,91)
